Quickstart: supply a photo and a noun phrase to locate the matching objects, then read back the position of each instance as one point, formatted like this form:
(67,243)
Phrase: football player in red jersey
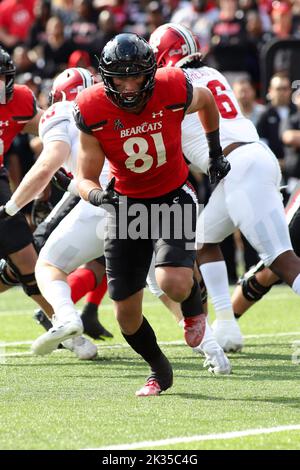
(134,120)
(18,114)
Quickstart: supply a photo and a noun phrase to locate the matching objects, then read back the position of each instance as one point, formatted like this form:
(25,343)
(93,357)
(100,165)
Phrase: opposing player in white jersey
(248,198)
(75,240)
(257,282)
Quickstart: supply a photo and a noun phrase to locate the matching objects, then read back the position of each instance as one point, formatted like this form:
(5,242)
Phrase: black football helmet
(8,69)
(128,54)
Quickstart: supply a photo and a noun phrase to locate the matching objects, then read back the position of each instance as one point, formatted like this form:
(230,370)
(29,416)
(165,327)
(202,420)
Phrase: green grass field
(59,402)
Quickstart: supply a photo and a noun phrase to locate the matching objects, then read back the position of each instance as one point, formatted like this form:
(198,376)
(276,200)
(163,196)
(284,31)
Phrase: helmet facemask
(128,55)
(8,70)
(130,100)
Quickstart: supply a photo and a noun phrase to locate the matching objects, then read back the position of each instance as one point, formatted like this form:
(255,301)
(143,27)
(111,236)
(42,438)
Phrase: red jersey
(143,150)
(14,115)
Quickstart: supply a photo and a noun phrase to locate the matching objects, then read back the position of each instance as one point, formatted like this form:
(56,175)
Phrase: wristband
(95,196)
(11,208)
(213,141)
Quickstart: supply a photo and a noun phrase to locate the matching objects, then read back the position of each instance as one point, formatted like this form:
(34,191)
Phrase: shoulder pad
(24,103)
(57,113)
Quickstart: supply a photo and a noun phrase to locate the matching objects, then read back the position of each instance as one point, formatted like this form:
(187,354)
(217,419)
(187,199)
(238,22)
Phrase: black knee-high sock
(144,342)
(192,306)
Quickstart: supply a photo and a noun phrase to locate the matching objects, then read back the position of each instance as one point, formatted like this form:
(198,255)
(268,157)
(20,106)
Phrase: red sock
(95,296)
(81,281)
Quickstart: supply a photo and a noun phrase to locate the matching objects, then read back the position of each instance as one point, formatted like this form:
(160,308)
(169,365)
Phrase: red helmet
(174,45)
(69,83)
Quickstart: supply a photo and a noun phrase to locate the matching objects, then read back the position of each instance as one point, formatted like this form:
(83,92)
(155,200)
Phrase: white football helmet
(174,45)
(69,83)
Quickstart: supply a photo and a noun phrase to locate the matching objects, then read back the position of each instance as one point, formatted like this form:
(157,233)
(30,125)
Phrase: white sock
(58,294)
(296,284)
(216,281)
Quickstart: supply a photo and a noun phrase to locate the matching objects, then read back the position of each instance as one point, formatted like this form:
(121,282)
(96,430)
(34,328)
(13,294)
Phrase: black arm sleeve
(189,90)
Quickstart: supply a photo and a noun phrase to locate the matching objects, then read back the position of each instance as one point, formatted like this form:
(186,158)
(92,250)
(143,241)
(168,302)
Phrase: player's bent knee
(176,287)
(42,264)
(27,281)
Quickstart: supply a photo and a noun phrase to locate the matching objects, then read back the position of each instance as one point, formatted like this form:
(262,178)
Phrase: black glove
(3,213)
(107,197)
(61,179)
(40,210)
(218,167)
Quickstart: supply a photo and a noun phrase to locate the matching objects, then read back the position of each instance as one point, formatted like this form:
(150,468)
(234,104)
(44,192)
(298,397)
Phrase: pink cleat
(151,388)
(194,329)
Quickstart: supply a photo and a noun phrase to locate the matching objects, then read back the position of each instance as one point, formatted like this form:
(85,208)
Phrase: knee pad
(32,288)
(252,289)
(7,278)
(27,281)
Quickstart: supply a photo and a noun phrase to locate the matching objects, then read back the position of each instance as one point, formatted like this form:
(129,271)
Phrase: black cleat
(91,324)
(41,318)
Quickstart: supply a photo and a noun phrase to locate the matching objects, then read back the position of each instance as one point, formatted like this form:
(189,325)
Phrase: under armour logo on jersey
(160,114)
(118,125)
(4,123)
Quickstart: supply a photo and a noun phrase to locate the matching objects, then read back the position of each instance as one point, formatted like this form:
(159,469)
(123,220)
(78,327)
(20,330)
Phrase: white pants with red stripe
(78,238)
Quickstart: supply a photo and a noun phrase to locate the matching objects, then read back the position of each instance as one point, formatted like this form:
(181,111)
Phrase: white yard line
(163,343)
(199,438)
(16,343)
(271,335)
(27,353)
(29,311)
(16,354)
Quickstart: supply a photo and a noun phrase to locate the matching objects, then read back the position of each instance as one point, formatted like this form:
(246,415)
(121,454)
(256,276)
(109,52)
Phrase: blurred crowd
(46,36)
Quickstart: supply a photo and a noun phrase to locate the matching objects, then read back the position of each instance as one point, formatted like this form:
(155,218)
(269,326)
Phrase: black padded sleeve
(189,95)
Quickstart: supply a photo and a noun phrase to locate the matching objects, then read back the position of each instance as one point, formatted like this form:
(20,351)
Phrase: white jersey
(57,124)
(234,127)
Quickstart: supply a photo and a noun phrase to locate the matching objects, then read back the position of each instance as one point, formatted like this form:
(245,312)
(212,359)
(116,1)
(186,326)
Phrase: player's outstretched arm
(89,165)
(203,102)
(38,177)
